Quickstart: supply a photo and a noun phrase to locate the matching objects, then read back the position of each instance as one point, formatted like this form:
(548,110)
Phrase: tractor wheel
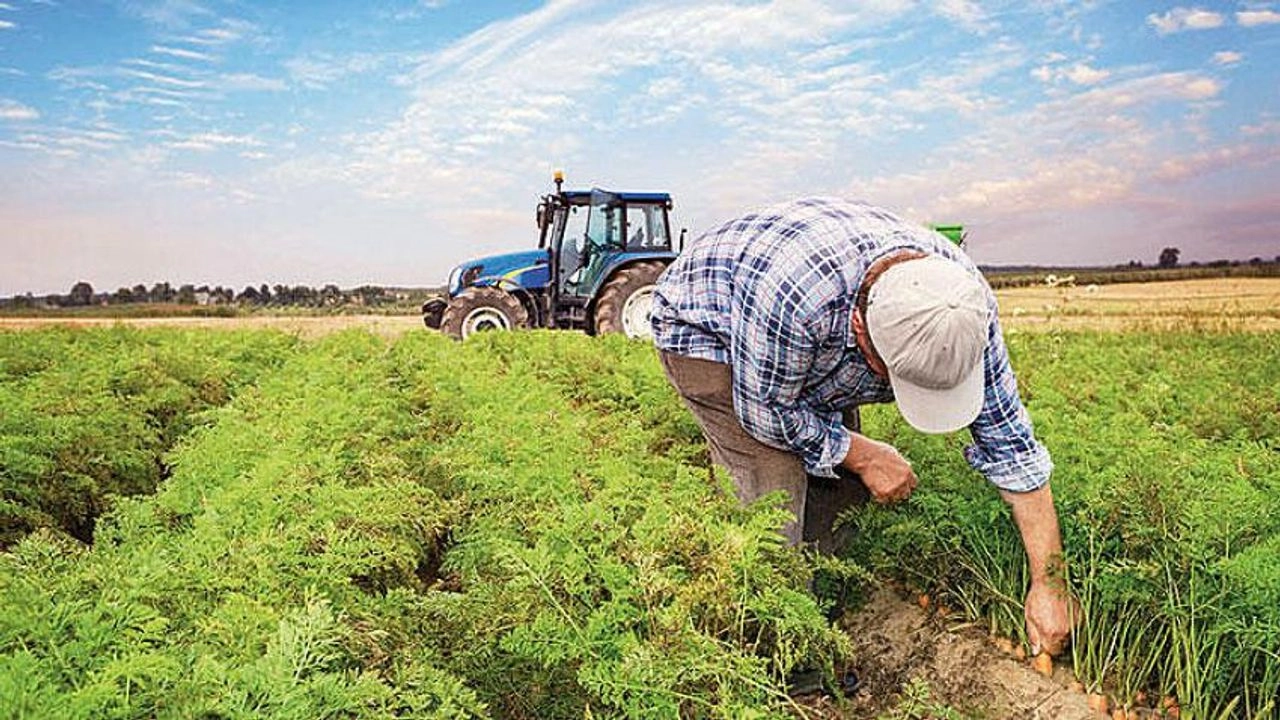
(479,309)
(433,312)
(626,300)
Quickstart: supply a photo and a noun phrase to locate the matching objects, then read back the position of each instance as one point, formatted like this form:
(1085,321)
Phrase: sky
(233,142)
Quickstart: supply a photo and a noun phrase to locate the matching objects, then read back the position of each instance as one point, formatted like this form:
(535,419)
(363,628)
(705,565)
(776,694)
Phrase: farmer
(773,326)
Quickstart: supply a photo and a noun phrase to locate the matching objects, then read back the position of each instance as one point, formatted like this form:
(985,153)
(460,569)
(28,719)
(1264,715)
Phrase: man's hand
(1051,615)
(1050,610)
(884,471)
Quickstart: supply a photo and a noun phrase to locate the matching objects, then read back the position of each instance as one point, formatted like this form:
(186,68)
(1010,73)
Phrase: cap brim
(940,411)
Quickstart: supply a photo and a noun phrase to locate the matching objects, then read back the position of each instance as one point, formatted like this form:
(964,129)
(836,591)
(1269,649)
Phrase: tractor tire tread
(608,314)
(474,298)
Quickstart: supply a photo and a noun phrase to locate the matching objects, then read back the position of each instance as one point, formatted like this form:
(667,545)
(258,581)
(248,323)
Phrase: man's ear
(858,325)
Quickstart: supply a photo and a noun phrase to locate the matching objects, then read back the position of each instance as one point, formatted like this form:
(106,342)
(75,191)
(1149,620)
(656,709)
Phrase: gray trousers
(757,469)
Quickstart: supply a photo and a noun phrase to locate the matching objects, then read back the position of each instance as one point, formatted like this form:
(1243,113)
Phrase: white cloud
(249,82)
(321,70)
(1227,58)
(1082,74)
(204,142)
(6,25)
(967,13)
(182,53)
(1180,19)
(1263,127)
(1078,74)
(14,110)
(164,79)
(1252,18)
(229,30)
(1215,160)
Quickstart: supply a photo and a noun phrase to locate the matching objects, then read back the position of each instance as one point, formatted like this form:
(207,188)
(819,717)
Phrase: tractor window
(605,225)
(574,241)
(646,228)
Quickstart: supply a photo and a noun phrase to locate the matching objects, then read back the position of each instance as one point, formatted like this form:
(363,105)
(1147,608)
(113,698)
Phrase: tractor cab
(599,255)
(589,235)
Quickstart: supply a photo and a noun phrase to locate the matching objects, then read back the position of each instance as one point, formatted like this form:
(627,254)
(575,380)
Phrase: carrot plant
(421,530)
(1167,454)
(87,415)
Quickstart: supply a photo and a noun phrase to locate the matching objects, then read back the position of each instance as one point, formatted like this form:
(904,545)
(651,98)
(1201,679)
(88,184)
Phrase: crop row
(522,526)
(1167,479)
(85,416)
(429,530)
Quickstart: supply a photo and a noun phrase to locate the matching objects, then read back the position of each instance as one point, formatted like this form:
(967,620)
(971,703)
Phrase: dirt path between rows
(895,641)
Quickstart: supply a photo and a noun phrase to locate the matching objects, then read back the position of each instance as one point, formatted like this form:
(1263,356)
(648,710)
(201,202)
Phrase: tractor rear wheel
(479,309)
(626,300)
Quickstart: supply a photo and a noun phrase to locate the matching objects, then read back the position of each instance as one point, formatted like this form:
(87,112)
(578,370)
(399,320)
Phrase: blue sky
(230,142)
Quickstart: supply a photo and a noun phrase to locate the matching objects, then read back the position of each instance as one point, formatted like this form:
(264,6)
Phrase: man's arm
(1006,451)
(1050,610)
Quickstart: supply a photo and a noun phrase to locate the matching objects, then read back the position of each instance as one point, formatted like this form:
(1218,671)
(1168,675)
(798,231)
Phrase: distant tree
(1169,257)
(264,294)
(250,295)
(122,296)
(139,293)
(187,295)
(330,295)
(1255,261)
(81,294)
(161,293)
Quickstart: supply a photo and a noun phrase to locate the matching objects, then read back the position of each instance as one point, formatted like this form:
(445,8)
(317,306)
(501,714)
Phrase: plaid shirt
(772,295)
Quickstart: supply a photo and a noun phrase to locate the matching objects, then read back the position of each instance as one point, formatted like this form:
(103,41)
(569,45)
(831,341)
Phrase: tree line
(82,294)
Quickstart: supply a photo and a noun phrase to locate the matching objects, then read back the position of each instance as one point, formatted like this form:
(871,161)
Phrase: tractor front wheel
(626,300)
(479,309)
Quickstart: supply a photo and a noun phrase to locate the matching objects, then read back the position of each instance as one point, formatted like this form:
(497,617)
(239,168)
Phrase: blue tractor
(599,255)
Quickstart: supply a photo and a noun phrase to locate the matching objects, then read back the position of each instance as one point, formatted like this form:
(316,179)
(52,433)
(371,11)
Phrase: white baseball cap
(928,320)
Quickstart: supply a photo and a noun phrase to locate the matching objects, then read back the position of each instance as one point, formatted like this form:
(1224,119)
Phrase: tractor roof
(584,196)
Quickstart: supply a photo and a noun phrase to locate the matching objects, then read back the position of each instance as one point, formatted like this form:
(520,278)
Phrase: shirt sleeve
(1004,447)
(773,350)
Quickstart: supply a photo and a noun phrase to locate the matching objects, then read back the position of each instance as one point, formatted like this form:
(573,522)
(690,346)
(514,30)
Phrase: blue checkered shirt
(772,294)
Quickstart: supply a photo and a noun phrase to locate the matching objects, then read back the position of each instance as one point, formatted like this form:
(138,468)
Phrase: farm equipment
(954,233)
(599,255)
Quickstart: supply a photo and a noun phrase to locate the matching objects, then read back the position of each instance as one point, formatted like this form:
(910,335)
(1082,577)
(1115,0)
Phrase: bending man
(772,325)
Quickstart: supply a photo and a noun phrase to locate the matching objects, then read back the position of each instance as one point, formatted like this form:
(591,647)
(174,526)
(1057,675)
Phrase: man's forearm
(1037,521)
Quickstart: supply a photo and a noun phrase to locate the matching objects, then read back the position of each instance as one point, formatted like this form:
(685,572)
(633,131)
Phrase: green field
(243,524)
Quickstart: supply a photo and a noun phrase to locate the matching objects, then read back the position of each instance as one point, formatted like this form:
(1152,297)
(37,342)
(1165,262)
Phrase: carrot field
(204,523)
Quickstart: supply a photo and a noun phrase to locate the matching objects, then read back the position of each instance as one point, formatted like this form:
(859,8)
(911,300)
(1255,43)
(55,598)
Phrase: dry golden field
(1209,304)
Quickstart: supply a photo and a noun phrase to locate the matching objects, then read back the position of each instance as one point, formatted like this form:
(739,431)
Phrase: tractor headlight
(455,280)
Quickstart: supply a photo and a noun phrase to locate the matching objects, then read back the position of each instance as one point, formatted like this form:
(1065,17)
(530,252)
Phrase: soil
(896,641)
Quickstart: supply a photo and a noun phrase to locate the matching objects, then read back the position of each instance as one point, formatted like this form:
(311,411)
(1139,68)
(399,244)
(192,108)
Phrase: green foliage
(523,526)
(88,415)
(1167,454)
(429,530)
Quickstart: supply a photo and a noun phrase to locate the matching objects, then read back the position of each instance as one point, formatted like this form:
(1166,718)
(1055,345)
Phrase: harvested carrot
(923,601)
(1043,663)
(1168,701)
(1140,698)
(1098,703)
(1020,652)
(1076,686)
(1004,645)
